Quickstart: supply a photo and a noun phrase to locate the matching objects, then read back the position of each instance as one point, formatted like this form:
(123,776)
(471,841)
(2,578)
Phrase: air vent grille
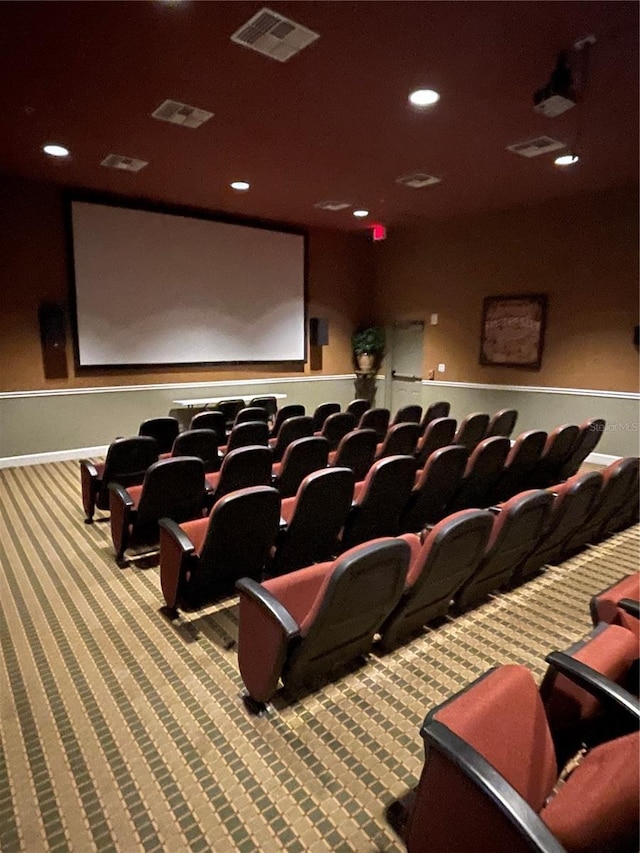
(333,206)
(418,180)
(536,147)
(274,36)
(182,114)
(125,164)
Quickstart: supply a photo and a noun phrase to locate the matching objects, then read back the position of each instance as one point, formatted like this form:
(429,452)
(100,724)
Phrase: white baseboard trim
(601,458)
(54,456)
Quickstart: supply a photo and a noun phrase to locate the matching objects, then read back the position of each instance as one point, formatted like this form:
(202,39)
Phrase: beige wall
(33,269)
(582,252)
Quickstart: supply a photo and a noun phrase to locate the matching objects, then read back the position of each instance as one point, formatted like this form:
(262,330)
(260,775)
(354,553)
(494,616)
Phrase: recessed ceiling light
(55,150)
(566,160)
(424,98)
(361,213)
(240,186)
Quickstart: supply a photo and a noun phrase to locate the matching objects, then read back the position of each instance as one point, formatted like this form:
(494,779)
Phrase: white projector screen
(158,288)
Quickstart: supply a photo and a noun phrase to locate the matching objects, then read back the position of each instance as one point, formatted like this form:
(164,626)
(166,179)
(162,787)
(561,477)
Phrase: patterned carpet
(122,731)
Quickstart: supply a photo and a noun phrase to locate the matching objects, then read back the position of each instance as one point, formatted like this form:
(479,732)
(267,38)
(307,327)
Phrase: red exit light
(378,232)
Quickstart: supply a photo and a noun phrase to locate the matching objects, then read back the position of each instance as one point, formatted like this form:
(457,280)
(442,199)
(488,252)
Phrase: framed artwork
(513,330)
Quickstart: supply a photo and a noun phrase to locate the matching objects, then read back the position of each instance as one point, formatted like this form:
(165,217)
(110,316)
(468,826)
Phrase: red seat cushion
(197,532)
(287,508)
(134,493)
(597,808)
(212,480)
(298,591)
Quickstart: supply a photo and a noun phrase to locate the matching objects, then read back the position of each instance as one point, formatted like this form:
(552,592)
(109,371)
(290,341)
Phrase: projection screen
(158,288)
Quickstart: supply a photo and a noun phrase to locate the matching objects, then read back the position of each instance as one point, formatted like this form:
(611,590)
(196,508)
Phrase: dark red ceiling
(331,123)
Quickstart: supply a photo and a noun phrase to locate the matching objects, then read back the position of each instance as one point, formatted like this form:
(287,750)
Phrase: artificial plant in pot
(368,343)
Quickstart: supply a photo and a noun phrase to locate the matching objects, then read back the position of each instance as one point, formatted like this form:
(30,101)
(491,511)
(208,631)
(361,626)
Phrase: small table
(203,402)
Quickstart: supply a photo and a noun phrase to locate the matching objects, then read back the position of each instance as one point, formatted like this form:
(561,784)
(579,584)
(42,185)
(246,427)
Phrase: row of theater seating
(392,587)
(509,768)
(536,459)
(329,512)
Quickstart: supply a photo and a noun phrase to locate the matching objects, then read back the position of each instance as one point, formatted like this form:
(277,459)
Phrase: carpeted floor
(122,731)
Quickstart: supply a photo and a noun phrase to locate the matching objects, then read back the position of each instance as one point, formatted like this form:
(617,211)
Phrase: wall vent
(126,164)
(418,180)
(536,147)
(332,205)
(183,114)
(273,35)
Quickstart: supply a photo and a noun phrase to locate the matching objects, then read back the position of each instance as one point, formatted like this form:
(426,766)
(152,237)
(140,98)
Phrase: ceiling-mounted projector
(557,96)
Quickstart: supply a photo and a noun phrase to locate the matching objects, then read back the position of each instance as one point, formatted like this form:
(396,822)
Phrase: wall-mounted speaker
(318,331)
(636,335)
(53,333)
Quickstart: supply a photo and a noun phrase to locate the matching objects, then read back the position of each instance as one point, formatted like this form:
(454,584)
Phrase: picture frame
(512,333)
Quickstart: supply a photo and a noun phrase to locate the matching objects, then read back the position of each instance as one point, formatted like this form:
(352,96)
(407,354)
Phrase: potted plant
(368,345)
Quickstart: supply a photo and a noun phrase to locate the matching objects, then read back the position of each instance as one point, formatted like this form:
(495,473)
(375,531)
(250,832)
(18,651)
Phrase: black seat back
(434,411)
(202,443)
(358,407)
(400,440)
(377,419)
(357,450)
(482,472)
(336,427)
(269,403)
(439,433)
(251,413)
(557,449)
(291,430)
(364,586)
(384,495)
(126,463)
(294,410)
(410,414)
(438,483)
(211,419)
(322,503)
(502,423)
(472,430)
(590,433)
(244,467)
(172,488)
(246,434)
(322,413)
(230,409)
(164,430)
(523,458)
(241,531)
(302,457)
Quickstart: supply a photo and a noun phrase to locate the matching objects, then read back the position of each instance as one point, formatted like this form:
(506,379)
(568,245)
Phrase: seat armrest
(494,786)
(630,606)
(121,506)
(495,509)
(90,486)
(89,467)
(176,558)
(265,633)
(596,684)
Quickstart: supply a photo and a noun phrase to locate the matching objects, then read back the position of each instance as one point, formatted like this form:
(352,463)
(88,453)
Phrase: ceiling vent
(536,147)
(274,36)
(333,206)
(418,180)
(183,114)
(126,164)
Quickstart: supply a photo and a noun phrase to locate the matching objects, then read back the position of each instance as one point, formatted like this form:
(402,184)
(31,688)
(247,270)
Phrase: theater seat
(439,433)
(300,426)
(589,434)
(335,427)
(358,407)
(557,449)
(246,434)
(126,463)
(305,625)
(293,410)
(614,604)
(400,440)
(211,419)
(517,529)
(434,411)
(302,457)
(356,450)
(577,716)
(502,423)
(241,468)
(377,419)
(201,560)
(434,487)
(322,412)
(379,500)
(450,554)
(472,430)
(163,430)
(482,472)
(519,465)
(202,443)
(314,518)
(408,415)
(251,413)
(618,481)
(489,781)
(172,488)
